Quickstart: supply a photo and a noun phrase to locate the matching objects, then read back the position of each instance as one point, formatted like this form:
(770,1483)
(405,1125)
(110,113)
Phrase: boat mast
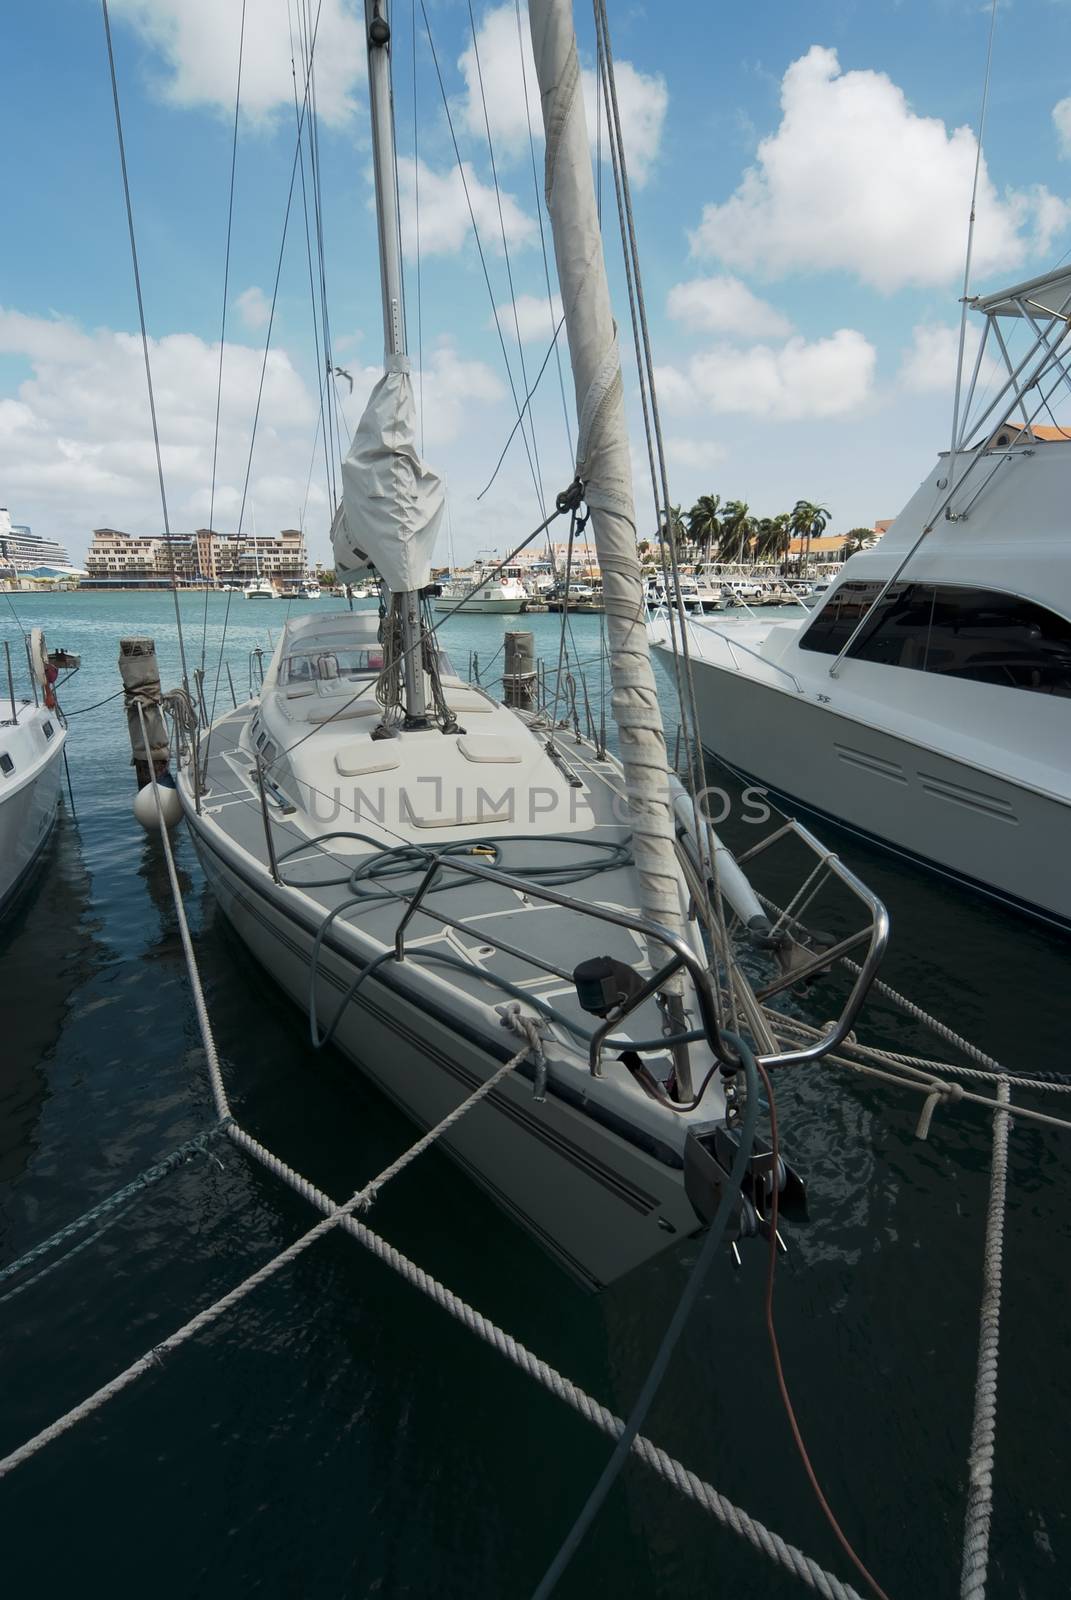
(603,463)
(388,222)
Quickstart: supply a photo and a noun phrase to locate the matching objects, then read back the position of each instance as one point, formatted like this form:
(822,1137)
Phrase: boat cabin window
(960,632)
(7,766)
(325,664)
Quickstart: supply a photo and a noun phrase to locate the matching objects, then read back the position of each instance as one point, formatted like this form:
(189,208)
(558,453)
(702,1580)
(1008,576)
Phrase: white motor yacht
(926,701)
(471,595)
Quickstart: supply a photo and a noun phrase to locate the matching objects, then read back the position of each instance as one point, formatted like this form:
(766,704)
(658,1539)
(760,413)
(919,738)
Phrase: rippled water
(337,1434)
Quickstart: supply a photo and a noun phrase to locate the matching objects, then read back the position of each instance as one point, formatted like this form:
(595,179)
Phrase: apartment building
(121,560)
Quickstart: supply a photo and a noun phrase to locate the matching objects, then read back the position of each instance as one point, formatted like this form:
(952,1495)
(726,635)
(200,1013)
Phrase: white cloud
(697,453)
(254,307)
(444,210)
(825,378)
(76,449)
(725,305)
(1061,118)
(197,41)
(537,318)
(854,180)
(642,97)
(929,362)
(76,445)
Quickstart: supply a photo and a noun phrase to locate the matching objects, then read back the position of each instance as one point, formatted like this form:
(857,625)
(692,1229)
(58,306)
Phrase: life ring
(43,670)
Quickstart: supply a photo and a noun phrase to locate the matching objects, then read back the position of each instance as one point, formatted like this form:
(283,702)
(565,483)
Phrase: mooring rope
(980,1486)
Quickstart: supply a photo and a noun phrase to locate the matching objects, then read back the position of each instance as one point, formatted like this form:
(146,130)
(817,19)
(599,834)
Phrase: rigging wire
(145,341)
(416,209)
(328,459)
(263,365)
(223,316)
(552,349)
(970,241)
(479,245)
(505,255)
(539,206)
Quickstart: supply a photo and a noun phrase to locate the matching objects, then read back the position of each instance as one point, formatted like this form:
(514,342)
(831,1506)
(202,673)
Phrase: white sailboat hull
(1003,837)
(596,1201)
(29,796)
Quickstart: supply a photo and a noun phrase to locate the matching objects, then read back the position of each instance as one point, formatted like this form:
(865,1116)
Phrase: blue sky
(802,195)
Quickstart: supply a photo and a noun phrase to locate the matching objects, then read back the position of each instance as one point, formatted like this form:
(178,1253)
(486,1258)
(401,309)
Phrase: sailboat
(260,588)
(32,737)
(434,878)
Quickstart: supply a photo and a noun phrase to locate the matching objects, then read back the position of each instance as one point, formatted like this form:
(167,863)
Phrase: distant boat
(501,596)
(310,591)
(259,589)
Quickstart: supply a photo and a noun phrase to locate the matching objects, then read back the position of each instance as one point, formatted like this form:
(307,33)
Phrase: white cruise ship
(23,554)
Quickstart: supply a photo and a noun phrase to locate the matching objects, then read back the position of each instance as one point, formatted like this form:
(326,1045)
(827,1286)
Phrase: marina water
(338,1435)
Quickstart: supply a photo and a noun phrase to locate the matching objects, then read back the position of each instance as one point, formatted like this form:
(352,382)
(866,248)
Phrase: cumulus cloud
(929,362)
(854,180)
(698,453)
(444,210)
(76,448)
(1061,119)
(197,43)
(823,378)
(725,305)
(643,97)
(254,307)
(537,318)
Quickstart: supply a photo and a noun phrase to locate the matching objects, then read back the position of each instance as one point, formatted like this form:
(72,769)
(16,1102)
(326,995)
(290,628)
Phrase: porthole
(49,730)
(7,766)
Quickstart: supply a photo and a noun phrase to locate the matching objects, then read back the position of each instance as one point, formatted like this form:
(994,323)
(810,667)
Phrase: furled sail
(603,463)
(392,503)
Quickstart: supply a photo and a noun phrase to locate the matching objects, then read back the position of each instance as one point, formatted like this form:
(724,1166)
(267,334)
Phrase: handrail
(682,953)
(879,939)
(736,644)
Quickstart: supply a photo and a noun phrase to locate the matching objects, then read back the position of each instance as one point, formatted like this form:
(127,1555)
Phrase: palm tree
(737,526)
(765,539)
(857,539)
(703,524)
(807,521)
(676,524)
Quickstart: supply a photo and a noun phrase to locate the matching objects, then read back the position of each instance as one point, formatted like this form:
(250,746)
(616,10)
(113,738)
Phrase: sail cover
(392,504)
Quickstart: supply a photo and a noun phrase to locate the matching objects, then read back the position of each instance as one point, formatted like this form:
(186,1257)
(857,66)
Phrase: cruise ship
(24,555)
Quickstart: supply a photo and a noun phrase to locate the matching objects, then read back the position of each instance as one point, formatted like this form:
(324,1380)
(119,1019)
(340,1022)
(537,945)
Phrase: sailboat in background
(260,588)
(430,875)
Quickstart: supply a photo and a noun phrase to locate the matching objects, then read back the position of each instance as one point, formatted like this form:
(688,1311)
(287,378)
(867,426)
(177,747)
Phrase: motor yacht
(926,700)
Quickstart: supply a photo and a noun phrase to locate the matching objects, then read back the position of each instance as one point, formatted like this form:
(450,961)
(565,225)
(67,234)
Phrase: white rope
(980,1487)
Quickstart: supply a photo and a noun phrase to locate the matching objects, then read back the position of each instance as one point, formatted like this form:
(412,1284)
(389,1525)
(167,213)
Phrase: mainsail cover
(392,503)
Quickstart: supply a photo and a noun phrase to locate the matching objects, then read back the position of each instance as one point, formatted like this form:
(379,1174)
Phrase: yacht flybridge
(926,701)
(440,879)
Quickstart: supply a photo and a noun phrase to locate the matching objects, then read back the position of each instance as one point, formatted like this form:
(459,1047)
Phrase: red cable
(827,1510)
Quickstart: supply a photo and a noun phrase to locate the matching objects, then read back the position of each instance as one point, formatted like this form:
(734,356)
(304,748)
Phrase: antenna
(970,249)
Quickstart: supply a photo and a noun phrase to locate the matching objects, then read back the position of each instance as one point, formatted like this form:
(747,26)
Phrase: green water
(338,1435)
